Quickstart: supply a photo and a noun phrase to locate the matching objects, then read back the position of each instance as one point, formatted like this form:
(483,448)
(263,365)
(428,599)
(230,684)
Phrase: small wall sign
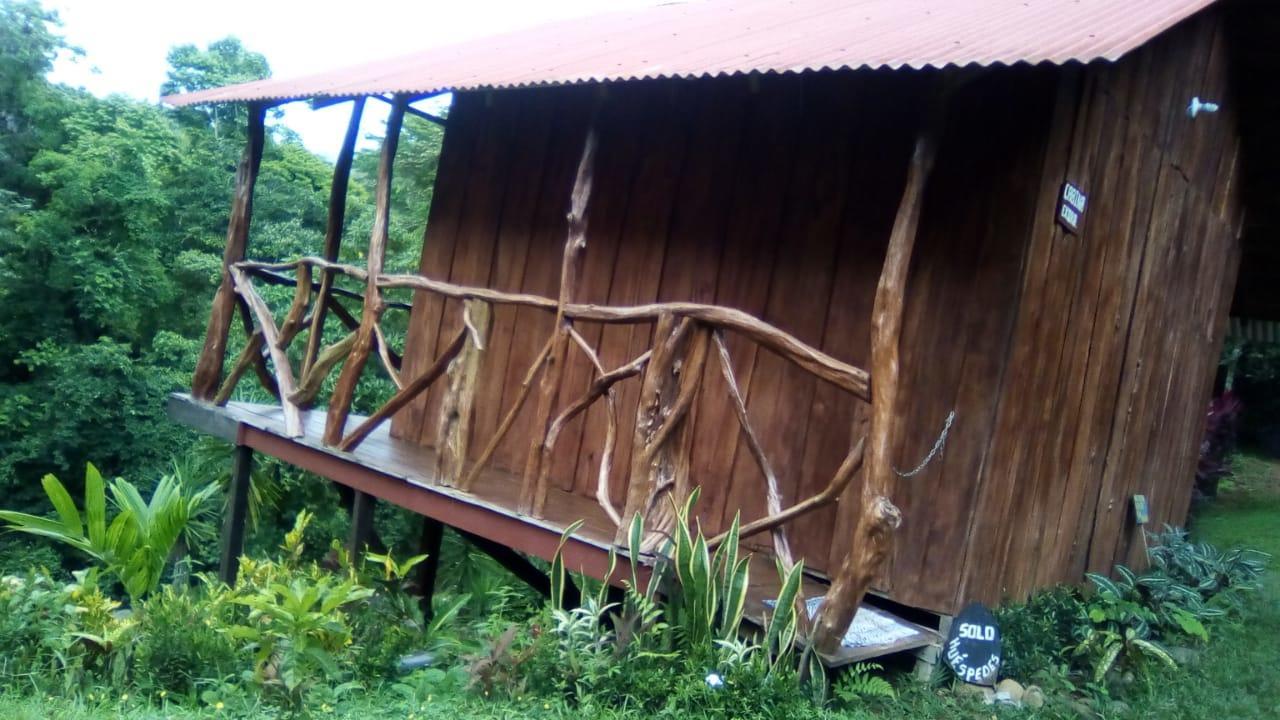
(1071,207)
(973,646)
(1141,510)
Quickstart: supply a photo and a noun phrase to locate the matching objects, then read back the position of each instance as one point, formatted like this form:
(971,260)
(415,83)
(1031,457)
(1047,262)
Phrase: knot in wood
(886,513)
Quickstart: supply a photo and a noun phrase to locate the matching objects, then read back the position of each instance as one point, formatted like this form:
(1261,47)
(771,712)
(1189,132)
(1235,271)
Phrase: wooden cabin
(925,292)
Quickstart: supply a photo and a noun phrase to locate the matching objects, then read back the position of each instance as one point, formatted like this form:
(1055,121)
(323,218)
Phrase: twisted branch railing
(670,371)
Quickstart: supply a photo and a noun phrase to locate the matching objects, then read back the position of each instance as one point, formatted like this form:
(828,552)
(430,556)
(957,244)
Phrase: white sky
(125,41)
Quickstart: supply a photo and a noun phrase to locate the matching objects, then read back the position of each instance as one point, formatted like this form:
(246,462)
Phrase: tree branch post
(345,390)
(208,374)
(333,231)
(879,517)
(533,489)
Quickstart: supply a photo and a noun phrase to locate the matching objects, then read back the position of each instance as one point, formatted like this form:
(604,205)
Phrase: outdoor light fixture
(1198,106)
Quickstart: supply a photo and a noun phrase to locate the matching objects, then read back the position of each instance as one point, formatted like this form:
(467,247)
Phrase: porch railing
(686,337)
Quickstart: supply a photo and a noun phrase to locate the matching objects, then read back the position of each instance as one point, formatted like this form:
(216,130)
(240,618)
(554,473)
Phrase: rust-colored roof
(727,37)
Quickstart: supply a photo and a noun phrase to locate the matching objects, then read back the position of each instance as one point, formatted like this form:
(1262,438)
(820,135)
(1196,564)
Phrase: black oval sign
(973,646)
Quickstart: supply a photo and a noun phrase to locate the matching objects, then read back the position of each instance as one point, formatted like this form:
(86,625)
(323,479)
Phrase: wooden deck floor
(398,472)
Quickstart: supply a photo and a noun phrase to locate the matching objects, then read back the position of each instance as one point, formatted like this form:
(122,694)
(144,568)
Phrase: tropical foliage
(136,544)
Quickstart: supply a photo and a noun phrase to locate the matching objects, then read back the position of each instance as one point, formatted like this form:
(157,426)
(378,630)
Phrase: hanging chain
(937,448)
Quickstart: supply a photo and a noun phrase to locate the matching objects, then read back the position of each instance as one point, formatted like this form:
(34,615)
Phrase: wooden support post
(208,374)
(663,439)
(333,231)
(362,505)
(236,514)
(454,428)
(345,390)
(533,489)
(520,566)
(929,657)
(429,545)
(878,517)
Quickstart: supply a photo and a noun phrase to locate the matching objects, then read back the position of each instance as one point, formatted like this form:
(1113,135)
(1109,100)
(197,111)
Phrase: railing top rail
(852,379)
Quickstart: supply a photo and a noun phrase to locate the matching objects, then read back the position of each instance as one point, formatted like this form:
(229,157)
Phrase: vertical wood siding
(1078,365)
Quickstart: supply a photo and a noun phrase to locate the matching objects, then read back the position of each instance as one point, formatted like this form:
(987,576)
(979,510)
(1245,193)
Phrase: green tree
(224,62)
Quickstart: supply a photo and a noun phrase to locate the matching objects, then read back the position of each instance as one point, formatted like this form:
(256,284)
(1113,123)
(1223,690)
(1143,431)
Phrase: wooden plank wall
(1077,365)
(1114,350)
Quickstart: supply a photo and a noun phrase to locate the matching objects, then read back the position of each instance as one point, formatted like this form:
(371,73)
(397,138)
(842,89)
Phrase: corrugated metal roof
(726,37)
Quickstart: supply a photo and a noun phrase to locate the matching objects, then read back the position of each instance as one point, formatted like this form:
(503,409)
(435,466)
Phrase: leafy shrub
(137,543)
(19,557)
(34,611)
(181,640)
(1218,577)
(1036,633)
(389,624)
(1219,442)
(670,645)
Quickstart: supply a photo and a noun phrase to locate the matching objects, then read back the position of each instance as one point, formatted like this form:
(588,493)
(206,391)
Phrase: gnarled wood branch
(454,428)
(773,496)
(848,468)
(841,374)
(251,354)
(344,391)
(406,394)
(505,426)
(325,362)
(611,425)
(208,372)
(533,489)
(271,336)
(874,527)
(333,230)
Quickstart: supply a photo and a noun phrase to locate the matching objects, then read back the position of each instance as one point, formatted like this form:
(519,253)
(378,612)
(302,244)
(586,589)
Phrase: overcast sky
(125,41)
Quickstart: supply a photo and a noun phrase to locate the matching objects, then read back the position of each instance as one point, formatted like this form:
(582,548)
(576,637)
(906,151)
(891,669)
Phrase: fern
(860,683)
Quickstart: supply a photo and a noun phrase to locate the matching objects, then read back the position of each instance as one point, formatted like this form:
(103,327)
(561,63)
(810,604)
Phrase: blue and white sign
(1071,207)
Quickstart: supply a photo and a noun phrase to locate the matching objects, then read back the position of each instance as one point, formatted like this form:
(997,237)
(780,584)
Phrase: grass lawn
(1236,677)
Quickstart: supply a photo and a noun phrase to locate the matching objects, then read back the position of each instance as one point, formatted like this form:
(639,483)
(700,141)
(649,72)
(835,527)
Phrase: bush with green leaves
(389,624)
(34,614)
(182,641)
(1118,630)
(1219,577)
(1036,634)
(860,682)
(135,546)
(673,640)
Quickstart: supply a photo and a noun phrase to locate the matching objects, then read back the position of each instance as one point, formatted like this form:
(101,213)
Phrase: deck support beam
(237,512)
(362,505)
(208,374)
(520,566)
(429,544)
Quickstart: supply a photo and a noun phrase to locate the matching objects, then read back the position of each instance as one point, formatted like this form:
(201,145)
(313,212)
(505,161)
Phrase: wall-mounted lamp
(1198,106)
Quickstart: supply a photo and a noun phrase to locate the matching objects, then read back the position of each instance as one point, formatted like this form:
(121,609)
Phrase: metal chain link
(937,448)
